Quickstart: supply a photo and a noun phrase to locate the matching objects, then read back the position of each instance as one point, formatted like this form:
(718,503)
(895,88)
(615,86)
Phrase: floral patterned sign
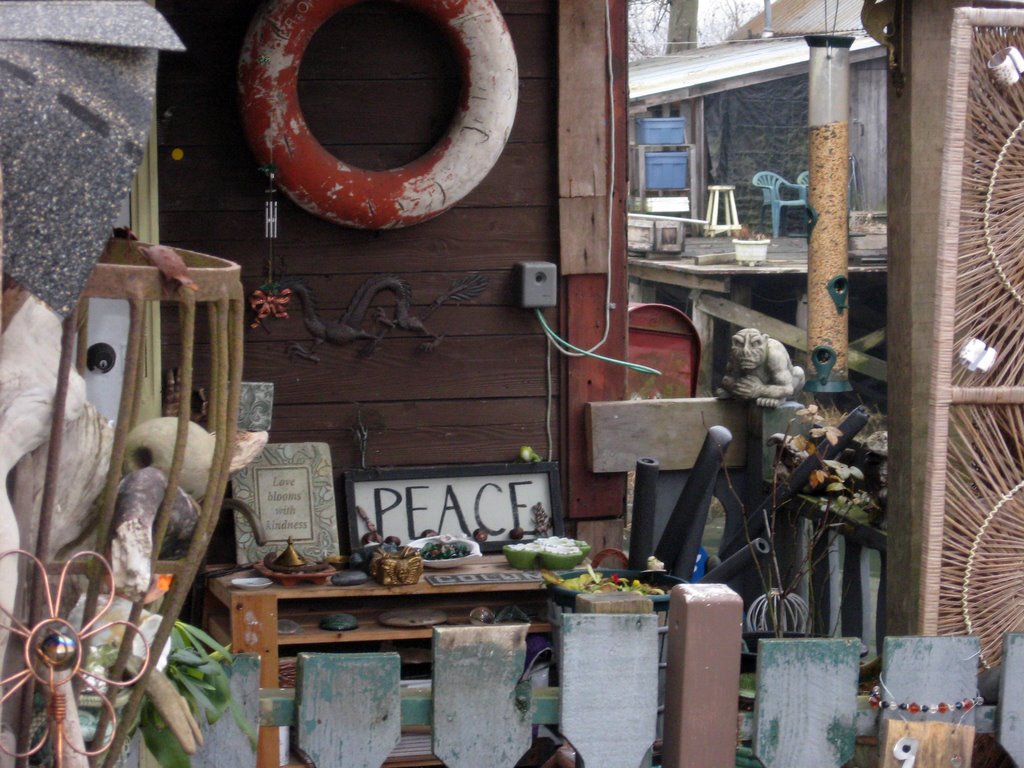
(290,487)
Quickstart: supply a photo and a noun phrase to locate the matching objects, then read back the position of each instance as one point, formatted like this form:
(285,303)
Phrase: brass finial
(290,558)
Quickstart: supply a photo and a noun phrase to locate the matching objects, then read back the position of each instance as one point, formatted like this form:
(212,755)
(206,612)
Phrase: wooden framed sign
(290,487)
(507,502)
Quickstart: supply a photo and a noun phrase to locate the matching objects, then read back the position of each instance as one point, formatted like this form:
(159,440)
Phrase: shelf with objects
(278,621)
(660,186)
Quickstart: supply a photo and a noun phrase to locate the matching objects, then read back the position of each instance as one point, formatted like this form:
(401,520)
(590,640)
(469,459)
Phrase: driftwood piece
(139,496)
(29,358)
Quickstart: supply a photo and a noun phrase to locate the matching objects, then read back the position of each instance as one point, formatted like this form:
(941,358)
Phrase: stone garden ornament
(759,369)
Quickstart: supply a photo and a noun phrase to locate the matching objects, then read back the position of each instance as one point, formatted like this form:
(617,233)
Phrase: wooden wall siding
(377,89)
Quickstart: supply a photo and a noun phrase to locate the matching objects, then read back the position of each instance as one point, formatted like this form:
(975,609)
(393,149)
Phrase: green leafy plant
(196,666)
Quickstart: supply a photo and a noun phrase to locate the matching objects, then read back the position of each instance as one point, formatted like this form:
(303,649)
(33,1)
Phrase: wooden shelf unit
(248,619)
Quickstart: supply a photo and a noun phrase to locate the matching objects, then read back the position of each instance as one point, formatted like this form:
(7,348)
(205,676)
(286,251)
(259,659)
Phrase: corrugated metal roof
(807,17)
(718,64)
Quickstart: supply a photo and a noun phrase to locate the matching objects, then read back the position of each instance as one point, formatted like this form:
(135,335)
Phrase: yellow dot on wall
(177,153)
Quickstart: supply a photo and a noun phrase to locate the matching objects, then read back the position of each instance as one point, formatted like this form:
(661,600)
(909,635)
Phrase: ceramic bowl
(472,549)
(253,582)
(553,561)
(559,562)
(524,559)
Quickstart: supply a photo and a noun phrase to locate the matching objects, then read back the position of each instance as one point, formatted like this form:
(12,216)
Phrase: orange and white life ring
(354,197)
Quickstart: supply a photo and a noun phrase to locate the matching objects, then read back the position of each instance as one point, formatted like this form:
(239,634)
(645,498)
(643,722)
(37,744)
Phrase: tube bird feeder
(827,255)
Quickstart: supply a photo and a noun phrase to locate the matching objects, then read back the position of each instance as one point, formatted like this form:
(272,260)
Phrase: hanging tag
(905,752)
(925,744)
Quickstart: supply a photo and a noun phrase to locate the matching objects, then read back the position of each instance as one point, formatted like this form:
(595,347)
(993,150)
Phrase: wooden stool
(724,193)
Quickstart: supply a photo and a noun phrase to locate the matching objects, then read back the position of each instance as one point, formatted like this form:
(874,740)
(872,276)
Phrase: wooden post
(704,324)
(613,602)
(255,630)
(915,114)
(702,689)
(592,254)
(225,744)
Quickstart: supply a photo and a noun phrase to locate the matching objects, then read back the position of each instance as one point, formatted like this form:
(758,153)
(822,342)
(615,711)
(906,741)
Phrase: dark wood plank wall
(378,88)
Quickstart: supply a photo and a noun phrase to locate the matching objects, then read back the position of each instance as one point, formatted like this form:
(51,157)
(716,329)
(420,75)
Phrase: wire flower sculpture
(54,656)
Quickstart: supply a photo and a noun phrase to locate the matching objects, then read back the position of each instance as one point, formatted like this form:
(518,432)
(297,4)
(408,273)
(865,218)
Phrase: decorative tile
(255,406)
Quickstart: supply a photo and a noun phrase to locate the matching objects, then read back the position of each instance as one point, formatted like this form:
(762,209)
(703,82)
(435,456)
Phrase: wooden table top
(493,565)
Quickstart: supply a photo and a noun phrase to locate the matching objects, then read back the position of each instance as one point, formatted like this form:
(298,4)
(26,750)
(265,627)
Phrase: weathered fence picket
(1011,698)
(347,708)
(348,714)
(806,702)
(609,668)
(481,710)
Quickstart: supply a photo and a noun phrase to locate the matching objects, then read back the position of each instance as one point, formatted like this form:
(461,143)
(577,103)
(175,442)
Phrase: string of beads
(876,701)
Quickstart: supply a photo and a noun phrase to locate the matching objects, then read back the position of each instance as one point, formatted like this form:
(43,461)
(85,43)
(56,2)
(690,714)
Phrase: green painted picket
(347,709)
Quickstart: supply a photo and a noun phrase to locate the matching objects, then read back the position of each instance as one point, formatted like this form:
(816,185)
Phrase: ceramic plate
(255,582)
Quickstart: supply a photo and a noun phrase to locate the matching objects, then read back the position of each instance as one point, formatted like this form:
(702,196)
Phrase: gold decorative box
(396,568)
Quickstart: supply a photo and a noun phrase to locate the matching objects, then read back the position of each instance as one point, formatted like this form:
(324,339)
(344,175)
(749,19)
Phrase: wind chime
(269,300)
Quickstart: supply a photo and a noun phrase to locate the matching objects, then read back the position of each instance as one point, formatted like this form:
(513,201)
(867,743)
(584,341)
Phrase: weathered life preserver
(355,197)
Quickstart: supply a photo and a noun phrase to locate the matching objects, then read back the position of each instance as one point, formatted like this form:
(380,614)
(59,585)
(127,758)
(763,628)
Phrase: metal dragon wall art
(352,324)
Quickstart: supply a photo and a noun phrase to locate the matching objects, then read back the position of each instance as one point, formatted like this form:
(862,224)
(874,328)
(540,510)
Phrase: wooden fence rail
(347,710)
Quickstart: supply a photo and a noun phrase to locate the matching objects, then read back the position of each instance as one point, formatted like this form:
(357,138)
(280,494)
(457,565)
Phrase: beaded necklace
(876,701)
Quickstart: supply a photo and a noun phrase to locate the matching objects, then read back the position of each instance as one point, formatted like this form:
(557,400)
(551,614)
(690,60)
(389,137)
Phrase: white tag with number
(905,752)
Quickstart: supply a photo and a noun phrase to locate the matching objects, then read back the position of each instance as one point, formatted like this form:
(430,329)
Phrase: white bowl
(453,562)
(253,582)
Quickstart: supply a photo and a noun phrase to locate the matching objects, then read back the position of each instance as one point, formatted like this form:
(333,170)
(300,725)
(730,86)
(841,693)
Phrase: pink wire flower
(54,651)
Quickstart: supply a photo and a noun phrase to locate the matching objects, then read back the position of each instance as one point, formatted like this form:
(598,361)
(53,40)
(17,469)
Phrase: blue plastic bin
(667,170)
(661,130)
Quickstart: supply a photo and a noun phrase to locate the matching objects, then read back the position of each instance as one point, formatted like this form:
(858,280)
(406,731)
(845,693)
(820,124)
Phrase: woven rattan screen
(974,522)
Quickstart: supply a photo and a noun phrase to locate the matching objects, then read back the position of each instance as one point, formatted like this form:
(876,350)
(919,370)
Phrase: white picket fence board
(349,708)
(609,673)
(1011,697)
(806,702)
(479,719)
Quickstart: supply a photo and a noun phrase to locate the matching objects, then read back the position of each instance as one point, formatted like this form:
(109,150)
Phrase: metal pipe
(738,562)
(680,541)
(767,31)
(645,499)
(827,249)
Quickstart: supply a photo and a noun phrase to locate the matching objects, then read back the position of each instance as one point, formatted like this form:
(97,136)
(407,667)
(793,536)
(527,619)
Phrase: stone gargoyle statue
(759,369)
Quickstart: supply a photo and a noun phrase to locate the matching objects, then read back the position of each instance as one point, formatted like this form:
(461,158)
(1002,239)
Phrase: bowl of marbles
(552,552)
(446,551)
